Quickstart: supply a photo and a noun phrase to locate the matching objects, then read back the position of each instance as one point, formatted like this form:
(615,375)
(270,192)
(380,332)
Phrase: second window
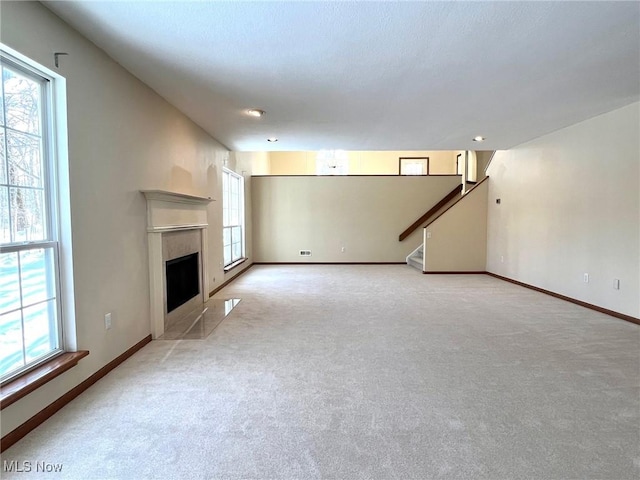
(232,216)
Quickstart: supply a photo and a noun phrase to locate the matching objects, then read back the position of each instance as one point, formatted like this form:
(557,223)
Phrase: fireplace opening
(183,280)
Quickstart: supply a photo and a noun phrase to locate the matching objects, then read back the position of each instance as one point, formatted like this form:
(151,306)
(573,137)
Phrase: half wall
(341,219)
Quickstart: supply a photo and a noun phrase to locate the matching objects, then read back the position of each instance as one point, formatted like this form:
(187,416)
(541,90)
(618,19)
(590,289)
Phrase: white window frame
(227,224)
(57,206)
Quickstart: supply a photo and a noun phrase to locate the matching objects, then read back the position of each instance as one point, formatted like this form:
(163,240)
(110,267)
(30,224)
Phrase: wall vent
(305,253)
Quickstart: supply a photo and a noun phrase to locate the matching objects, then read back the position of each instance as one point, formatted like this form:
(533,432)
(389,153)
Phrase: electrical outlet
(343,249)
(305,253)
(107,321)
(501,258)
(428,234)
(586,278)
(616,283)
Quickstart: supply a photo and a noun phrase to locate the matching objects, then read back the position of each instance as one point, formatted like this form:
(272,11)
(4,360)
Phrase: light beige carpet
(379,372)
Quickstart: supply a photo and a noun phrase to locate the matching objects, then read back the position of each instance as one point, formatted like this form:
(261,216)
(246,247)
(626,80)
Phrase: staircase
(415,258)
(473,236)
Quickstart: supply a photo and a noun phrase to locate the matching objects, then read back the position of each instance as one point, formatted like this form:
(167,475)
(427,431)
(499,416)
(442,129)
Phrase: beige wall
(363,214)
(123,138)
(292,163)
(376,163)
(458,239)
(483,157)
(360,162)
(260,163)
(569,206)
(387,162)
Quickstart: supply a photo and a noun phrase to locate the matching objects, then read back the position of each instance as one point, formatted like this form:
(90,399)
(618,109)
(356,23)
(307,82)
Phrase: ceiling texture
(374,75)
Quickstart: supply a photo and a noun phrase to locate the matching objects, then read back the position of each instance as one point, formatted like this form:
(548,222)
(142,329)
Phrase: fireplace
(182,277)
(177,239)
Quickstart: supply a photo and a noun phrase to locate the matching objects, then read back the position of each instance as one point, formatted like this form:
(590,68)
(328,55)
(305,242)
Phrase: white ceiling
(375,75)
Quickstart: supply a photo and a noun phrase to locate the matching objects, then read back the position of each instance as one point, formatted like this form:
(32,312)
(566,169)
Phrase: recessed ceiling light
(255,112)
(272,139)
(478,139)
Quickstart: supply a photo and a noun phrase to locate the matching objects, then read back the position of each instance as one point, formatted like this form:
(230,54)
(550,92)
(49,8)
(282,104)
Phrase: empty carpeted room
(286,240)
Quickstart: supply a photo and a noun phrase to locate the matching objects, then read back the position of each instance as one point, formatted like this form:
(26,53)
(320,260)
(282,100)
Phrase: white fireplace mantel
(168,212)
(165,195)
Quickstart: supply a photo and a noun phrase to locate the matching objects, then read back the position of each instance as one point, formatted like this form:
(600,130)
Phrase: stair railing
(432,211)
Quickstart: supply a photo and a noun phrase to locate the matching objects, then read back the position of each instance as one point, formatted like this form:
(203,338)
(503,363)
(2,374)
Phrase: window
(30,307)
(332,162)
(414,165)
(412,168)
(232,216)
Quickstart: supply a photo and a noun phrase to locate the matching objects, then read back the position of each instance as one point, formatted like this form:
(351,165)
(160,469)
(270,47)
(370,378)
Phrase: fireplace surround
(176,226)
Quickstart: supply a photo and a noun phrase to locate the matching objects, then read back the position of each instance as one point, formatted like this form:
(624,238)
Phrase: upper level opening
(344,162)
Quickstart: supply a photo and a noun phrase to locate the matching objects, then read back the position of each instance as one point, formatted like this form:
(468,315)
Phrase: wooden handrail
(454,203)
(415,225)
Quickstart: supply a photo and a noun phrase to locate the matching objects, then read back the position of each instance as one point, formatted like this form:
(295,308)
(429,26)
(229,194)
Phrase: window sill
(233,265)
(34,379)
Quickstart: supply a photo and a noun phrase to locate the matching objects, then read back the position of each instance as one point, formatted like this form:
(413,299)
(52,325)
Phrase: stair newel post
(424,249)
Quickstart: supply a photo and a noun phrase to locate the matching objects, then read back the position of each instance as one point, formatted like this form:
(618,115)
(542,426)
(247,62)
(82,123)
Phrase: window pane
(9,282)
(36,275)
(227,255)
(332,162)
(236,242)
(3,165)
(11,342)
(225,182)
(237,251)
(2,108)
(225,206)
(25,164)
(5,226)
(27,214)
(226,236)
(234,185)
(236,234)
(40,330)
(412,168)
(22,102)
(234,217)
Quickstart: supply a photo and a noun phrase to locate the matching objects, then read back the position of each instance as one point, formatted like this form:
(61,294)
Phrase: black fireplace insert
(183,280)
